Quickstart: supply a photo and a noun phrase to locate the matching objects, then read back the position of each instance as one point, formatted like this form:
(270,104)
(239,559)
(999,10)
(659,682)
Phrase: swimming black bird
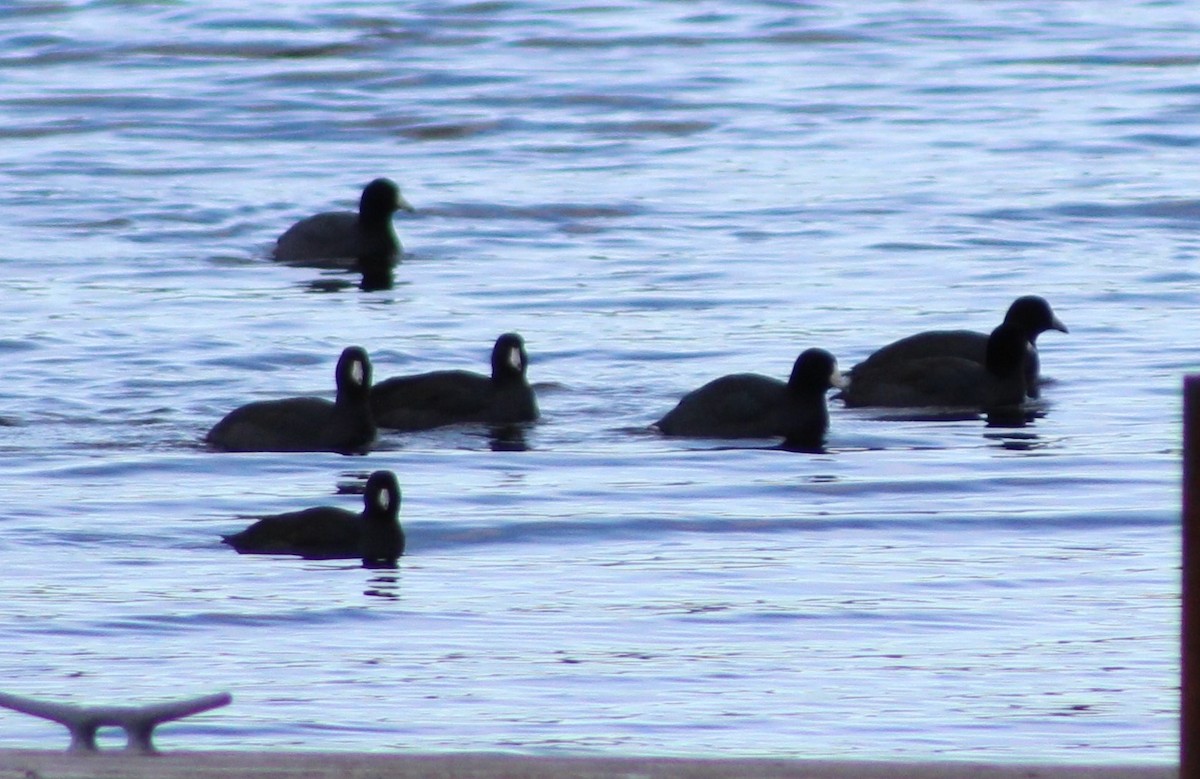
(948,381)
(343,239)
(749,405)
(306,424)
(327,532)
(1030,315)
(429,400)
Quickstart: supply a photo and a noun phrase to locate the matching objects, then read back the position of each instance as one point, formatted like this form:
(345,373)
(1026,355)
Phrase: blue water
(653,194)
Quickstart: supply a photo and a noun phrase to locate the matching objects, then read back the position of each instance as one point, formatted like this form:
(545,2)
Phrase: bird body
(328,532)
(306,424)
(947,380)
(1030,316)
(365,240)
(324,532)
(750,405)
(429,400)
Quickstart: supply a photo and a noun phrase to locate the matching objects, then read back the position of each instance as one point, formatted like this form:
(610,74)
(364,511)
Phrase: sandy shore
(31,764)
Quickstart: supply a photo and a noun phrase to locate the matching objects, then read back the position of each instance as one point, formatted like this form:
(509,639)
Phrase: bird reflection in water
(507,438)
(372,281)
(383,585)
(376,280)
(1006,429)
(1014,416)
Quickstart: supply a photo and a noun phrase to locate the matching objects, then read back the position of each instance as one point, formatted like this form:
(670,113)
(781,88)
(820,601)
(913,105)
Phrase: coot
(1031,315)
(440,398)
(947,381)
(749,405)
(339,239)
(327,532)
(306,424)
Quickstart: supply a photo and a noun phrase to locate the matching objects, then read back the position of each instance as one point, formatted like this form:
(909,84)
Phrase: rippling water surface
(653,194)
